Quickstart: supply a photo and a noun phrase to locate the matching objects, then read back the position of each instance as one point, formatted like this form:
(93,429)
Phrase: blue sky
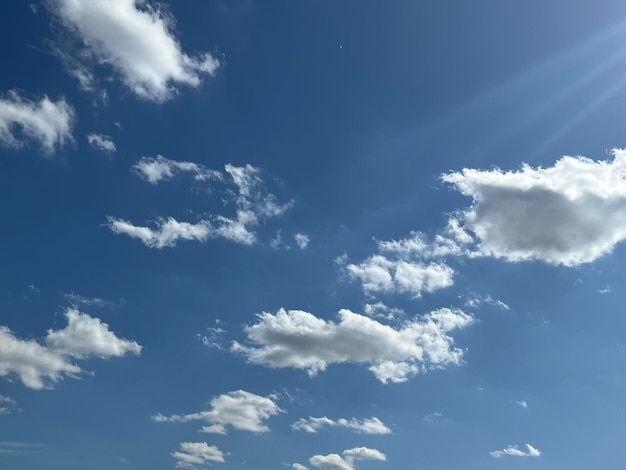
(312,235)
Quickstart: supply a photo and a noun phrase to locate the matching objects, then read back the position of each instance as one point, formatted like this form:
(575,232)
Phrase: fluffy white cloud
(48,122)
(101,142)
(337,462)
(196,453)
(302,240)
(87,336)
(568,214)
(371,425)
(301,340)
(380,274)
(252,204)
(39,366)
(297,466)
(159,168)
(515,451)
(135,39)
(242,410)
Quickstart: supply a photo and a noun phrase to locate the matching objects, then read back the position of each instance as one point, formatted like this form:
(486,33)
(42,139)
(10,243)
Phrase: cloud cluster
(371,425)
(47,122)
(40,365)
(196,453)
(514,451)
(244,190)
(241,410)
(337,462)
(298,339)
(135,40)
(567,214)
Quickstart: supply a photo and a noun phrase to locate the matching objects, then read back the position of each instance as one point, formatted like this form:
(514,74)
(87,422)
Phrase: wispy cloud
(514,451)
(101,142)
(45,121)
(371,425)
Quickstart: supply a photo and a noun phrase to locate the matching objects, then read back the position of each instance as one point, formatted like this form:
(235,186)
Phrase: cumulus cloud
(302,240)
(241,410)
(135,39)
(196,453)
(101,142)
(362,426)
(47,122)
(337,462)
(40,365)
(87,336)
(298,339)
(514,451)
(567,214)
(244,190)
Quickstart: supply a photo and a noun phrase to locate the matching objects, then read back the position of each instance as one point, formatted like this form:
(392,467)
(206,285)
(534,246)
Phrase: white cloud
(157,169)
(48,122)
(336,462)
(7,405)
(380,274)
(252,203)
(362,426)
(297,466)
(167,232)
(568,214)
(476,300)
(241,410)
(522,403)
(87,336)
(135,39)
(302,240)
(433,417)
(77,300)
(380,310)
(39,366)
(101,142)
(301,340)
(196,453)
(515,451)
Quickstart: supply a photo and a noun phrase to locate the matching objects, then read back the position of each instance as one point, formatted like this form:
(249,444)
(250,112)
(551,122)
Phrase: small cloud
(302,240)
(101,142)
(514,451)
(7,405)
(522,403)
(196,453)
(606,290)
(433,417)
(371,425)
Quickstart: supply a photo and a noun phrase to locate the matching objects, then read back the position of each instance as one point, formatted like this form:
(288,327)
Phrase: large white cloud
(337,462)
(514,451)
(135,39)
(570,213)
(47,122)
(371,425)
(197,453)
(298,339)
(39,366)
(241,410)
(244,189)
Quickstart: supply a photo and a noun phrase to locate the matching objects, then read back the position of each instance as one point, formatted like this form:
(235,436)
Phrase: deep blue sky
(348,114)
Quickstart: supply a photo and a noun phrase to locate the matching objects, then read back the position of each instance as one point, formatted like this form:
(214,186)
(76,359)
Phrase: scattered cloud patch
(77,300)
(569,214)
(380,310)
(197,453)
(41,365)
(7,405)
(298,339)
(47,122)
(475,301)
(522,404)
(135,39)
(514,451)
(240,410)
(252,204)
(361,426)
(101,142)
(433,417)
(337,462)
(302,240)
